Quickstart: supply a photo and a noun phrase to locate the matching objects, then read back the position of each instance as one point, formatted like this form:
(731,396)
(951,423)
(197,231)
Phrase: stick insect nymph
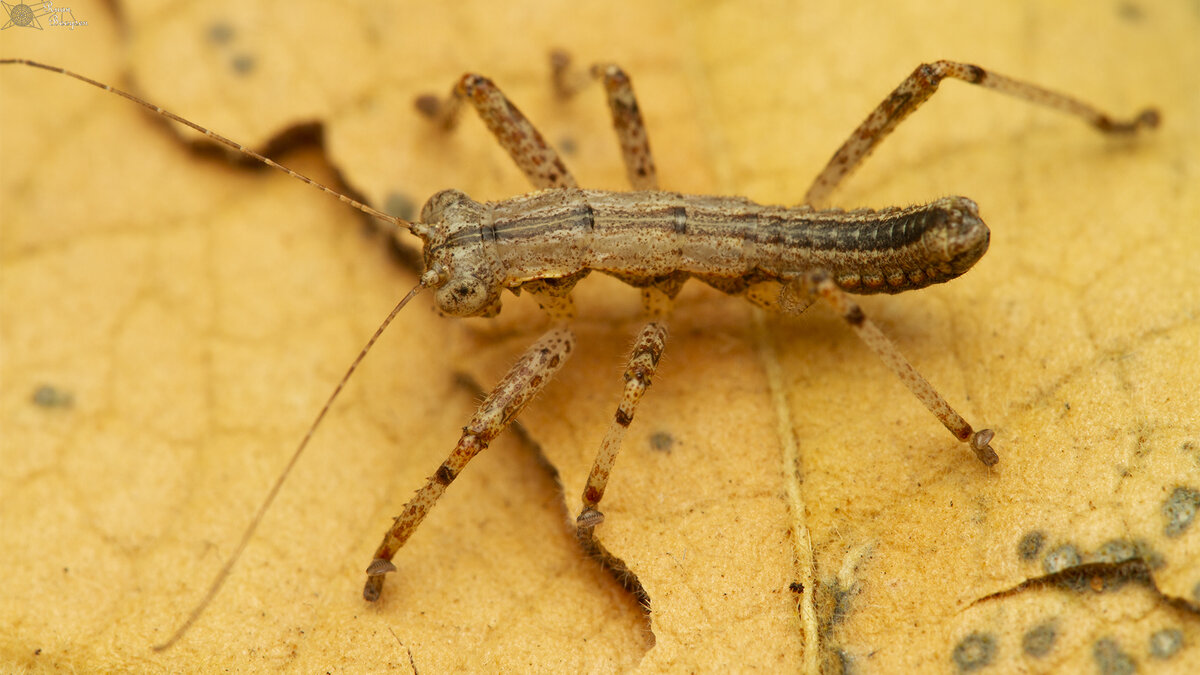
(779,258)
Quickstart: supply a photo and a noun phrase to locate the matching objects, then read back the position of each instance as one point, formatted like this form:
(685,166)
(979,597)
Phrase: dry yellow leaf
(170,322)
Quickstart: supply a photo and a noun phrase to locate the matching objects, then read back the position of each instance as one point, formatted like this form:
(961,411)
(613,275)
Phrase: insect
(545,242)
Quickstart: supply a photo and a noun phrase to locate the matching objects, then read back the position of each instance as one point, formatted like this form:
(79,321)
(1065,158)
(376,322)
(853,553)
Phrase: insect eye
(466,297)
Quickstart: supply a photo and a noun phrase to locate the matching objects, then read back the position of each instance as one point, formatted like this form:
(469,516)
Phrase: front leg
(528,376)
(535,157)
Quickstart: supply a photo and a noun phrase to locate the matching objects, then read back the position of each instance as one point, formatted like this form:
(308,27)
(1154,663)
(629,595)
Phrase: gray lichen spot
(833,605)
(1196,593)
(1031,545)
(400,205)
(841,603)
(1164,643)
(243,64)
(662,441)
(1110,660)
(974,652)
(1117,551)
(49,396)
(1062,558)
(1153,559)
(1179,510)
(1039,640)
(845,662)
(568,145)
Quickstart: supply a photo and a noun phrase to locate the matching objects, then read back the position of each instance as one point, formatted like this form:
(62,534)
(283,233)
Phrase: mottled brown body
(544,242)
(779,257)
(660,239)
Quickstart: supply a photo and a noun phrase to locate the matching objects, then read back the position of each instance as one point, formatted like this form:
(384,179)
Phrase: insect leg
(533,155)
(643,362)
(626,114)
(920,85)
(528,376)
(647,350)
(819,284)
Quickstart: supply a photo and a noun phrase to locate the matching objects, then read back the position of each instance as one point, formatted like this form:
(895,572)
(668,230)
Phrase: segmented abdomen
(729,242)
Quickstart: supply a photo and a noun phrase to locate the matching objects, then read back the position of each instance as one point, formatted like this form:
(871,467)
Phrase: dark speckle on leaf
(1130,12)
(974,652)
(243,64)
(1039,640)
(220,33)
(1031,545)
(48,396)
(1110,660)
(661,441)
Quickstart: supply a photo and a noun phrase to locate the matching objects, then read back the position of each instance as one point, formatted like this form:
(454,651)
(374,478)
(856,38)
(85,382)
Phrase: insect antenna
(400,222)
(426,280)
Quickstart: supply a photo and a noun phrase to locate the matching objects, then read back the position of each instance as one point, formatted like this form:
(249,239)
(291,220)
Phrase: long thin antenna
(220,139)
(223,575)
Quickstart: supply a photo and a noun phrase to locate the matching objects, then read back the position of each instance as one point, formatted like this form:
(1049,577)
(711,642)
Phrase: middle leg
(643,362)
(626,114)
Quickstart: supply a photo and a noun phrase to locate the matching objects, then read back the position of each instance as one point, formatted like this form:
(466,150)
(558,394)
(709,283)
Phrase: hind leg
(919,86)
